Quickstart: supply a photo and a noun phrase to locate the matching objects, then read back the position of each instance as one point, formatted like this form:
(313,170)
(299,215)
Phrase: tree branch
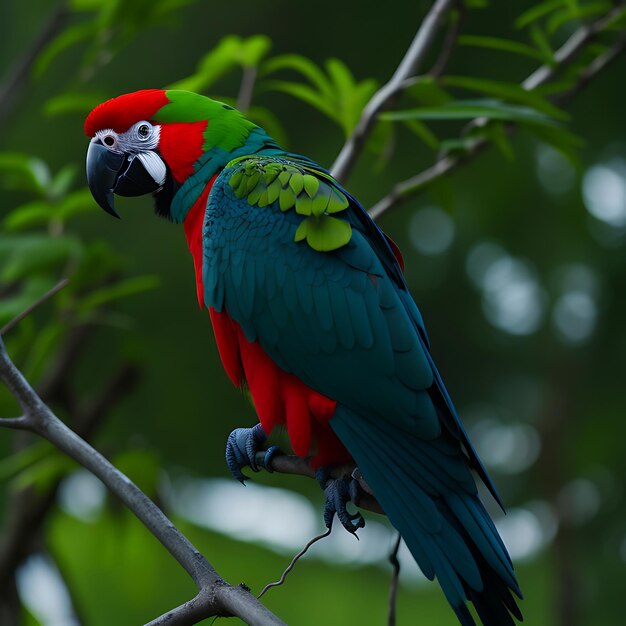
(46,296)
(450,41)
(290,464)
(409,65)
(224,599)
(13,84)
(563,57)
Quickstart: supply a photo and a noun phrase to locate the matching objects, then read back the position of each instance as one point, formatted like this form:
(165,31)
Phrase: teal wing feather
(334,310)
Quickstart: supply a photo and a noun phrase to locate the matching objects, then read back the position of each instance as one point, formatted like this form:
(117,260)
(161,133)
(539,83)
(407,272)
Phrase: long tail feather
(447,530)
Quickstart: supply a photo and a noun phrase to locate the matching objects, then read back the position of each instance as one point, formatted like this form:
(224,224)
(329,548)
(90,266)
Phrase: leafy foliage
(335,93)
(47,232)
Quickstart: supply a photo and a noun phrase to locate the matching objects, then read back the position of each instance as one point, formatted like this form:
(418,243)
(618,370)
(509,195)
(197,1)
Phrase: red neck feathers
(193,232)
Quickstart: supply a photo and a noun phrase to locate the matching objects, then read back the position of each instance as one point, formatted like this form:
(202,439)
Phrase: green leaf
(47,342)
(496,43)
(28,216)
(496,132)
(561,139)
(34,254)
(24,172)
(77,202)
(62,182)
(428,91)
(27,292)
(507,91)
(538,11)
(575,13)
(424,133)
(71,36)
(212,66)
(470,109)
(231,51)
(254,49)
(339,96)
(304,93)
(304,66)
(543,45)
(121,289)
(43,474)
(12,465)
(68,103)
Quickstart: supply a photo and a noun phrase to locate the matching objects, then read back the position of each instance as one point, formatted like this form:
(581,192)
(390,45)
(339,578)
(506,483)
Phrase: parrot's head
(150,141)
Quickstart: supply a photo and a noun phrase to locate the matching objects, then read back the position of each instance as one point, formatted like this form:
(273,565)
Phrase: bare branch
(599,64)
(234,600)
(290,464)
(226,600)
(19,75)
(18,423)
(409,66)
(450,41)
(546,73)
(568,52)
(46,296)
(189,613)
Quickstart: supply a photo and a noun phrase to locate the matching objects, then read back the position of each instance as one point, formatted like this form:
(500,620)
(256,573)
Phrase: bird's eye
(143,132)
(108,140)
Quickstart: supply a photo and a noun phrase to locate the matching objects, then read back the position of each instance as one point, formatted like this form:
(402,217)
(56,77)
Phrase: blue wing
(344,322)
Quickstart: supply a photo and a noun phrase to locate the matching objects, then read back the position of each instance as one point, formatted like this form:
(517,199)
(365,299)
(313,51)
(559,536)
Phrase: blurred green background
(517,261)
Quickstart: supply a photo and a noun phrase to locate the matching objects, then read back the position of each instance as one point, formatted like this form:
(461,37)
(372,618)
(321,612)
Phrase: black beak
(112,172)
(102,170)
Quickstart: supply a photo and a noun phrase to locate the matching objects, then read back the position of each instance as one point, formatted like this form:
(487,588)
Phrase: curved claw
(270,453)
(241,448)
(338,492)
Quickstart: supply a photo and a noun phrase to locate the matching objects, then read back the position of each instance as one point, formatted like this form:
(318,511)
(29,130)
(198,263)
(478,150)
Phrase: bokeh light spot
(82,495)
(604,192)
(555,173)
(578,502)
(43,591)
(431,231)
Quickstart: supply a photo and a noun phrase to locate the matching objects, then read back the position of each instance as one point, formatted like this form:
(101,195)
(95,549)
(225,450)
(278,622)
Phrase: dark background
(516,264)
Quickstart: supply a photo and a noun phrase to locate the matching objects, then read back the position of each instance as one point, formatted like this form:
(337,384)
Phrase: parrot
(314,322)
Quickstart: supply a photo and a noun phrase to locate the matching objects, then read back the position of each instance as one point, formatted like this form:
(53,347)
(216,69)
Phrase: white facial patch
(154,165)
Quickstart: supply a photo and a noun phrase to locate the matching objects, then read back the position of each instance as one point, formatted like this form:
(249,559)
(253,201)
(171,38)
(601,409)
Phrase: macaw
(312,316)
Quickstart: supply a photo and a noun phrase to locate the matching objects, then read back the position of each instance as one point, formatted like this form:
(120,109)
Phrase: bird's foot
(338,492)
(241,449)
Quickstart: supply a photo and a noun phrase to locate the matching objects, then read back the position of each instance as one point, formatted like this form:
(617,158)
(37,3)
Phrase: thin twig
(568,52)
(593,69)
(409,66)
(18,423)
(46,296)
(449,42)
(14,82)
(187,614)
(393,587)
(406,189)
(295,559)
